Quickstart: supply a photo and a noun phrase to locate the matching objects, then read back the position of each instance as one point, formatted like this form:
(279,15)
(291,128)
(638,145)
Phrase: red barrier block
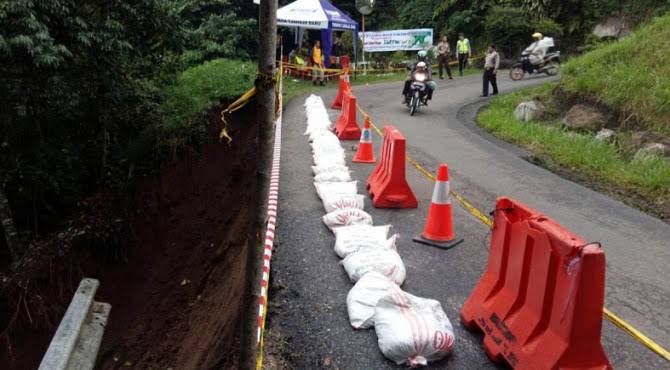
(343,86)
(387,184)
(346,126)
(540,300)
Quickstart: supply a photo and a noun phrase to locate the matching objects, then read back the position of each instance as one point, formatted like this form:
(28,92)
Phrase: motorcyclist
(424,68)
(537,50)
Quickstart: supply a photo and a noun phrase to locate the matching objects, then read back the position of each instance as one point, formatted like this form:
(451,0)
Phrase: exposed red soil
(177,302)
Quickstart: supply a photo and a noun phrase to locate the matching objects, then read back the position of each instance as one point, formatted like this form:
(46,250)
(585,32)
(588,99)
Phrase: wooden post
(265,97)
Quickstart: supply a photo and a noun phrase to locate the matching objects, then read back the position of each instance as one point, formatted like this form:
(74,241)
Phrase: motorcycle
(551,65)
(418,92)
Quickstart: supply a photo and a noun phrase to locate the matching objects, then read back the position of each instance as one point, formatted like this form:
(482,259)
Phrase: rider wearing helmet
(420,66)
(537,50)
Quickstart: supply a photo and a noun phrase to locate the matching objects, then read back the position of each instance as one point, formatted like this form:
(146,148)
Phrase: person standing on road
(464,52)
(491,64)
(317,61)
(443,57)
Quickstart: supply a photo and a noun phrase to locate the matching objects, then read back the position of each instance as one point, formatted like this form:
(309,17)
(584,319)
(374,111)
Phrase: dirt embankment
(177,302)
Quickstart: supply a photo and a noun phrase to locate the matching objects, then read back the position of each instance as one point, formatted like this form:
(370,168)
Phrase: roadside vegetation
(623,82)
(576,151)
(629,75)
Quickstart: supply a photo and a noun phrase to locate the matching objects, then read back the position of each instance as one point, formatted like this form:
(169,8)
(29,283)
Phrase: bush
(199,87)
(548,27)
(508,28)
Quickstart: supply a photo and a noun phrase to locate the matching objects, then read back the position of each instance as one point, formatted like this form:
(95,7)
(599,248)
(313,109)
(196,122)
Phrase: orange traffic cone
(439,231)
(365,152)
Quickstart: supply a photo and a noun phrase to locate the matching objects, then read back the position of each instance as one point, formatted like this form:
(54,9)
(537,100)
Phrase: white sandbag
(328,168)
(351,239)
(335,176)
(385,261)
(412,330)
(325,189)
(362,298)
(346,217)
(324,139)
(332,202)
(323,135)
(328,150)
(329,160)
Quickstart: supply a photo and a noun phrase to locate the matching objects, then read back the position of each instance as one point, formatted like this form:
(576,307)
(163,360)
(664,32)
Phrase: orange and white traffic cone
(365,152)
(439,231)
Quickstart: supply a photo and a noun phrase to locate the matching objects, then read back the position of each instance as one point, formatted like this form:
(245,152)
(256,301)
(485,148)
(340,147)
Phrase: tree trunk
(11,235)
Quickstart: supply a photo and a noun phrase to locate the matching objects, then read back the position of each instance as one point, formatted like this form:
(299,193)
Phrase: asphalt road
(308,310)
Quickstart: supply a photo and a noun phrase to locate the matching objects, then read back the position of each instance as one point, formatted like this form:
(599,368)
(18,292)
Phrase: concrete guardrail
(77,340)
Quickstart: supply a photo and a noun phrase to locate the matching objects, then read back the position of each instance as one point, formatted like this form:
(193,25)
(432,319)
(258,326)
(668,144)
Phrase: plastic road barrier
(343,86)
(540,300)
(346,127)
(387,184)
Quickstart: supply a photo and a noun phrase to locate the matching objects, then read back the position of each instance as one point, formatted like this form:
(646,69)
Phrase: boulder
(655,149)
(613,27)
(529,111)
(584,117)
(605,135)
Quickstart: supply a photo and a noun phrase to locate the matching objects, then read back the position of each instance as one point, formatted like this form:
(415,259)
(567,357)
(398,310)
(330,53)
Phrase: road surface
(308,310)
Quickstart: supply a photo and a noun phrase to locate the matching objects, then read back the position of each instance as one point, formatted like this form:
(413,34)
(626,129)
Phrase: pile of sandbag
(410,330)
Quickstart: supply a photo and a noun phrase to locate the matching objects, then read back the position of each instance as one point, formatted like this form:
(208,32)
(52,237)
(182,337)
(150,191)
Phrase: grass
(601,161)
(630,75)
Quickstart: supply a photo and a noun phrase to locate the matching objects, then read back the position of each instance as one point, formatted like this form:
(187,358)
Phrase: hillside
(629,75)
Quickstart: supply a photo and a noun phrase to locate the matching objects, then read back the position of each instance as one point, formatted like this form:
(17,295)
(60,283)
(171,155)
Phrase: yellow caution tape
(481,216)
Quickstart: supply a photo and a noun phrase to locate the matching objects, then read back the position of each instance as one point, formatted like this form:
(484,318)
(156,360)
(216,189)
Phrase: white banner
(418,39)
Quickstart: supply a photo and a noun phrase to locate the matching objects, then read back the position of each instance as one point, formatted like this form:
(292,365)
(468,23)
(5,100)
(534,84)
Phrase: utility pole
(265,98)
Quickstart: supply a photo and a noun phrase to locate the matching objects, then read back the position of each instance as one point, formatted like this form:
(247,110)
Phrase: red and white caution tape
(273,200)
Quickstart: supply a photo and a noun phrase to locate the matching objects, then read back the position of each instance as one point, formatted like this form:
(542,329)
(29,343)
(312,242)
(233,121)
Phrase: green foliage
(548,27)
(628,74)
(508,28)
(75,93)
(200,87)
(215,29)
(649,176)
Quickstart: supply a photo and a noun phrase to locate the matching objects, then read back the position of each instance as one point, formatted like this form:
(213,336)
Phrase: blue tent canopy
(321,15)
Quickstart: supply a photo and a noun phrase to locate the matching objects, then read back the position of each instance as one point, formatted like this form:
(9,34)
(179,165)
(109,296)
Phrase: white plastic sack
(325,189)
(328,168)
(323,141)
(328,150)
(346,217)
(412,330)
(329,159)
(335,176)
(362,298)
(323,135)
(333,202)
(385,261)
(351,239)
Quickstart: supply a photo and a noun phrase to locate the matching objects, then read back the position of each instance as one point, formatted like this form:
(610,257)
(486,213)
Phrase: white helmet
(421,65)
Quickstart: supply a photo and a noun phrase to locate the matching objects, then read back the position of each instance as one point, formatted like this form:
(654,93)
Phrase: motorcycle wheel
(516,74)
(552,68)
(412,105)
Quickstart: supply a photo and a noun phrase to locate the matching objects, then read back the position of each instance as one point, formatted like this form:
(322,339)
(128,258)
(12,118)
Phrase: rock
(605,135)
(653,149)
(612,27)
(584,117)
(529,111)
